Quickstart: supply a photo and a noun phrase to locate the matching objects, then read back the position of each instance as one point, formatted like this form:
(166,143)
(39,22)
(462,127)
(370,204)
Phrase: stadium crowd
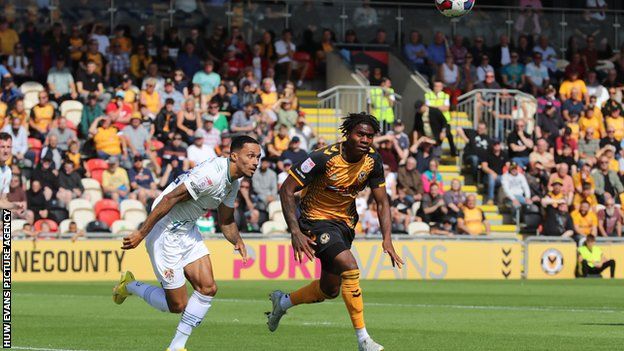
(151,108)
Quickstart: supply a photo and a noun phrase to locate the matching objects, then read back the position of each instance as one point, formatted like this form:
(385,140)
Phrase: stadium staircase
(450,169)
(322,120)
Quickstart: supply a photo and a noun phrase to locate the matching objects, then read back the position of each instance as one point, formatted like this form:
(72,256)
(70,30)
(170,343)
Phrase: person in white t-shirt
(6,146)
(285,50)
(175,245)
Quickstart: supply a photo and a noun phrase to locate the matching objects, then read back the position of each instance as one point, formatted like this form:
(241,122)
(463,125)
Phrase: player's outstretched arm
(230,230)
(300,242)
(179,194)
(383,213)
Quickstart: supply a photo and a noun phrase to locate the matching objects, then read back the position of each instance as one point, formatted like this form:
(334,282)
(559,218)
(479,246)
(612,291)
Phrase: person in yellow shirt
(106,138)
(150,99)
(471,219)
(589,120)
(115,181)
(120,38)
(279,143)
(587,195)
(573,81)
(585,221)
(615,122)
(8,38)
(41,117)
(583,176)
(591,259)
(139,62)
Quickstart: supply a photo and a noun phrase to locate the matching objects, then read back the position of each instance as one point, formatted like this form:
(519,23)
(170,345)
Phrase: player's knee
(208,290)
(332,293)
(177,307)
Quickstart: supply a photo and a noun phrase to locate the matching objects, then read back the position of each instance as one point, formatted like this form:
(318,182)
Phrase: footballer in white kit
(6,145)
(175,245)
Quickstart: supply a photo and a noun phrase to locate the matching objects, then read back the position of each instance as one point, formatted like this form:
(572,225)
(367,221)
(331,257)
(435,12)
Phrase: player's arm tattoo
(227,224)
(289,206)
(179,194)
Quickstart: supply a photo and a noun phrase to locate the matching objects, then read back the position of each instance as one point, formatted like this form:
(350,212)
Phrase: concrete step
(464,188)
(312,119)
(320,111)
(489,208)
(448,168)
(309,103)
(447,178)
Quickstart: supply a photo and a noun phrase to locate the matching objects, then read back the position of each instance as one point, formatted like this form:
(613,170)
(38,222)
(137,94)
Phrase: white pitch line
(403,305)
(40,349)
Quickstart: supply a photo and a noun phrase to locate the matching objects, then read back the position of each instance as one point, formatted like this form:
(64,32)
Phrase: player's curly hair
(353,119)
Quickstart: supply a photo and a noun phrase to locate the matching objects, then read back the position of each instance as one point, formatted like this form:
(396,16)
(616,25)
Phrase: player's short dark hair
(5,136)
(240,141)
(353,119)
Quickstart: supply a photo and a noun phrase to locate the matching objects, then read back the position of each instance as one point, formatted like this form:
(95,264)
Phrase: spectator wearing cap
(171,93)
(587,195)
(106,138)
(493,167)
(90,112)
(520,144)
(606,180)
(542,155)
(430,122)
(60,82)
(264,183)
(536,74)
(294,151)
(471,219)
(516,187)
(41,117)
(199,152)
(119,111)
(567,187)
(142,183)
(118,64)
(136,136)
(188,60)
(305,133)
(207,79)
(592,260)
(115,181)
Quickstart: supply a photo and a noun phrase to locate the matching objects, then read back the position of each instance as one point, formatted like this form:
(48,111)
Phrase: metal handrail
(354,87)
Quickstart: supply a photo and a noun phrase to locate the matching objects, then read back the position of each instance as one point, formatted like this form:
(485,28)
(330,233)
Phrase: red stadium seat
(301,56)
(51,223)
(96,164)
(157,145)
(108,216)
(97,175)
(35,146)
(106,204)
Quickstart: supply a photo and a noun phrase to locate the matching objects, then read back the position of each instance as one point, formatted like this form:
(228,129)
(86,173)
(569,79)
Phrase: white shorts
(171,248)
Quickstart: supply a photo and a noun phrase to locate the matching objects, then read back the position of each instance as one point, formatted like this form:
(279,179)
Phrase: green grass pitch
(401,315)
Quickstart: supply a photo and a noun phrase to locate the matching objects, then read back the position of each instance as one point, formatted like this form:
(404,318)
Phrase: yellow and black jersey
(331,184)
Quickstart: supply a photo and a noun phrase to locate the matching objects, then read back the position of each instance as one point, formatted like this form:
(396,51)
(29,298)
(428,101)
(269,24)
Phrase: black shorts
(331,237)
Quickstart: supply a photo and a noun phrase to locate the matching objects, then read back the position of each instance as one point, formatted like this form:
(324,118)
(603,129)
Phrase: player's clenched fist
(133,240)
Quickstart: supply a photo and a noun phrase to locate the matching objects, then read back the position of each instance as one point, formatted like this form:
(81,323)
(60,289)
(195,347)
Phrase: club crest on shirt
(362,176)
(307,165)
(168,274)
(324,239)
(202,185)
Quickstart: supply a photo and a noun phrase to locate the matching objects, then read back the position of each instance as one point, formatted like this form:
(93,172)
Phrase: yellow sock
(310,293)
(352,296)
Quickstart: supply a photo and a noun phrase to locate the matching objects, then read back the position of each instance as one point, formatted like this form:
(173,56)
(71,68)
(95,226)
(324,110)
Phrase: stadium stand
(568,100)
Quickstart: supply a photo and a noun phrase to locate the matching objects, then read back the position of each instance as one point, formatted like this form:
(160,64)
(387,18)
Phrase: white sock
(153,295)
(285,302)
(197,307)
(361,334)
